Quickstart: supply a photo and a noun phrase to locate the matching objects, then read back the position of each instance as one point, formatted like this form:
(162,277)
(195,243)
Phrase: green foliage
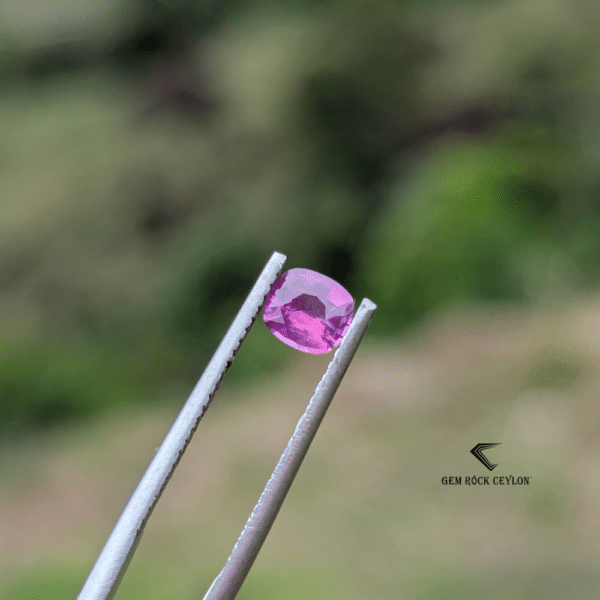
(359,99)
(40,387)
(509,216)
(478,221)
(448,237)
(47,383)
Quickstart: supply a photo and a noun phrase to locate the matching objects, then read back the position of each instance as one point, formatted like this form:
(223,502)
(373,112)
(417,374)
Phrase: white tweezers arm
(229,581)
(112,563)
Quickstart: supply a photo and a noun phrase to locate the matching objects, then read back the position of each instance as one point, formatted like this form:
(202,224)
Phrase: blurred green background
(440,158)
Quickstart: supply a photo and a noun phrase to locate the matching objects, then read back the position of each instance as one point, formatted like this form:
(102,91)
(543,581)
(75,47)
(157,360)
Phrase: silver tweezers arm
(112,563)
(229,581)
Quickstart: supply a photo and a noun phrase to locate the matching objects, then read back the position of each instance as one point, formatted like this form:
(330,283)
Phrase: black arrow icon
(477,452)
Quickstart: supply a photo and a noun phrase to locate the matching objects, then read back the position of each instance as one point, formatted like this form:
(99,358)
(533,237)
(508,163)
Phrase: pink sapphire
(308,311)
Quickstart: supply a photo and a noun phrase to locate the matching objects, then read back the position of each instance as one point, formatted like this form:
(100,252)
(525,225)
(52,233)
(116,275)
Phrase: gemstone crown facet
(308,311)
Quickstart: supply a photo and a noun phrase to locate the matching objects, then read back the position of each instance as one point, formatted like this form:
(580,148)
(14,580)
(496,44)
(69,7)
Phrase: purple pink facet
(308,311)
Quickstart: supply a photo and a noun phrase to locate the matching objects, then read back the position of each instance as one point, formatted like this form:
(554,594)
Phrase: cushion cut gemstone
(308,311)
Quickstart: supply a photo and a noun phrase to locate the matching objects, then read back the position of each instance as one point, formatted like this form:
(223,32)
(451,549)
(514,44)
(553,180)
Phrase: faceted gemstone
(308,311)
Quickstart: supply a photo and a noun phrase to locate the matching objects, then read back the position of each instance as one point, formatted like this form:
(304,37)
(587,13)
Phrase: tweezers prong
(112,563)
(230,579)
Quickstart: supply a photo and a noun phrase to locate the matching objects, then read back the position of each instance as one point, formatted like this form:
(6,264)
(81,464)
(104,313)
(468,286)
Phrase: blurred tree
(61,57)
(478,221)
(364,113)
(361,98)
(158,51)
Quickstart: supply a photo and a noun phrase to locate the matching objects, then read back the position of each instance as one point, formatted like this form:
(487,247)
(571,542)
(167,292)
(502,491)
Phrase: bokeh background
(440,158)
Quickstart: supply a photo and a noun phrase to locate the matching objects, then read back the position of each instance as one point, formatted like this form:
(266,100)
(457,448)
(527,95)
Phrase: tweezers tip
(279,257)
(368,305)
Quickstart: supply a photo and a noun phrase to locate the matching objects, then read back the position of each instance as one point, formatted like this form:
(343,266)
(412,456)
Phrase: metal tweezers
(112,563)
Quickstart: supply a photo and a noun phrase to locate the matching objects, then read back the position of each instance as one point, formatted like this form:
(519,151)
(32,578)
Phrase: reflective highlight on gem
(308,311)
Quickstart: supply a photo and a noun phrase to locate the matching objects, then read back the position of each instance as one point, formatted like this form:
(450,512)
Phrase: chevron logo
(477,452)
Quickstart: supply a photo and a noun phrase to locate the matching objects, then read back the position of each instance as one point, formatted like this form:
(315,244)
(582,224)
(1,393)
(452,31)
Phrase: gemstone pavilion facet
(308,311)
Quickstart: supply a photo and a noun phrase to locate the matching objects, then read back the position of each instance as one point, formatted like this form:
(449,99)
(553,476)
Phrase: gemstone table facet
(308,311)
